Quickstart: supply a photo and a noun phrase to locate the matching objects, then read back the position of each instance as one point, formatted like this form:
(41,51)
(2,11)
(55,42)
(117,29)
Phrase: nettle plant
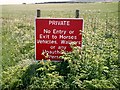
(85,70)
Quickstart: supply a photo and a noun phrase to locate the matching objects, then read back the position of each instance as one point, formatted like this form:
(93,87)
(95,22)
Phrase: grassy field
(100,38)
(56,10)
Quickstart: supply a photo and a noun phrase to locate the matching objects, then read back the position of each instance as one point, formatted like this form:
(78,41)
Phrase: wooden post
(77,14)
(38,13)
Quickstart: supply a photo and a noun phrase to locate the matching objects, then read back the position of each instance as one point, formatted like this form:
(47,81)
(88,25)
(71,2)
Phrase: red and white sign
(53,35)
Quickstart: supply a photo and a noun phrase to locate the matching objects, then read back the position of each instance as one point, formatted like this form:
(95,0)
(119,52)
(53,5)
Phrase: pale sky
(25,1)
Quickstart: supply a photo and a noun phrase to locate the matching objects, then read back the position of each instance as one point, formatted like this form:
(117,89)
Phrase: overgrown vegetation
(94,66)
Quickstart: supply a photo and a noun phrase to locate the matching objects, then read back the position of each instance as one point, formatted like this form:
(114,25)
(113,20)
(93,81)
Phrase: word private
(62,23)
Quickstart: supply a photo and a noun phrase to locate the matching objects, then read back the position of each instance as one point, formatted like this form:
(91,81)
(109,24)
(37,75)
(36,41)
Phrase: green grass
(18,24)
(55,10)
(100,40)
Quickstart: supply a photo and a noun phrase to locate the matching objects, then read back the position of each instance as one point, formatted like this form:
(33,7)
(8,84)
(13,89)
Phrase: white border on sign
(35,37)
(58,18)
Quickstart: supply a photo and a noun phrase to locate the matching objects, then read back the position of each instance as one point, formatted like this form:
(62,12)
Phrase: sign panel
(53,35)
